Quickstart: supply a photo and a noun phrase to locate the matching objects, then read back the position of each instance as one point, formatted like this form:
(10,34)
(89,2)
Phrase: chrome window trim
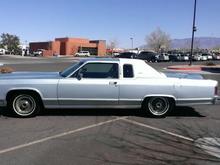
(132,71)
(91,62)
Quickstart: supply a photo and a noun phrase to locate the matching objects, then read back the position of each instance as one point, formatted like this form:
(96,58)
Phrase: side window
(99,70)
(128,71)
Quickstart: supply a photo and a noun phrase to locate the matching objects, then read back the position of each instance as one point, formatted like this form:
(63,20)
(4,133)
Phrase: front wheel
(24,105)
(158,106)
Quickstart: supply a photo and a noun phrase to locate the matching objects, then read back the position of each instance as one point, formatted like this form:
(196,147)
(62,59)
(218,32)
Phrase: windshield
(70,69)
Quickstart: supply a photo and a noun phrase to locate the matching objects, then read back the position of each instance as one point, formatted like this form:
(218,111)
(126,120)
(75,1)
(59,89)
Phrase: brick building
(69,46)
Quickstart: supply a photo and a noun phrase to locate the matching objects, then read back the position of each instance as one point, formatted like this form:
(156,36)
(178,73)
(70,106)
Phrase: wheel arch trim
(159,95)
(24,89)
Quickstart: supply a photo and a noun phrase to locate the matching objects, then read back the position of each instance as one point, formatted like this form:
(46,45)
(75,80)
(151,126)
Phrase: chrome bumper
(216,100)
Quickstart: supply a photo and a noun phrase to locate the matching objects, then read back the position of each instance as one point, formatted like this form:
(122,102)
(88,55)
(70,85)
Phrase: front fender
(24,89)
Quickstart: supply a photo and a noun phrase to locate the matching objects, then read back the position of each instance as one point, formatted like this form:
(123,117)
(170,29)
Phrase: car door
(94,84)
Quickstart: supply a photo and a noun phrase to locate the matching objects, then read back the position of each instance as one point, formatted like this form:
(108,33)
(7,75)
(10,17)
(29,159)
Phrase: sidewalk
(195,68)
(185,67)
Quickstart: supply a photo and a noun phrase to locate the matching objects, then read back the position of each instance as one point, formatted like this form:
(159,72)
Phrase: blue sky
(42,20)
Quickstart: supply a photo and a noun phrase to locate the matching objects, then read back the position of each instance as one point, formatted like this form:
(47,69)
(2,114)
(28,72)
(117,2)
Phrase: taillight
(216,90)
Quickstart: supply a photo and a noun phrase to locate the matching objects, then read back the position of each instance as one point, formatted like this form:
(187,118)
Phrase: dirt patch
(6,69)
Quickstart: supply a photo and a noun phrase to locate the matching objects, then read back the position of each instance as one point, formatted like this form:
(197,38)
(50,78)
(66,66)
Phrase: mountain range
(200,42)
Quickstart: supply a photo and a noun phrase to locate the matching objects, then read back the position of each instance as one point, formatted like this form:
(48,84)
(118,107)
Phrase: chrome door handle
(113,83)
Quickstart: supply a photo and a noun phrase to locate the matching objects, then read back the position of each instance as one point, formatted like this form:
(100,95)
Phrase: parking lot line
(158,129)
(59,135)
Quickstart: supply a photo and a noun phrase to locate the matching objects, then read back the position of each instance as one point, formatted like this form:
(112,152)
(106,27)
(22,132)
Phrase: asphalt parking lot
(127,137)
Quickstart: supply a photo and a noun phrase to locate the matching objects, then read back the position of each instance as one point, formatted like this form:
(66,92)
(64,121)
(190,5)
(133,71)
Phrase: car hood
(30,75)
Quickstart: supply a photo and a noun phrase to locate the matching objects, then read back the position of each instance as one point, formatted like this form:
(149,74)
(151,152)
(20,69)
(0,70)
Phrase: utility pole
(193,32)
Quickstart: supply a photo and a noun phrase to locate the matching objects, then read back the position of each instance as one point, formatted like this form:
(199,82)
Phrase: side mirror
(79,76)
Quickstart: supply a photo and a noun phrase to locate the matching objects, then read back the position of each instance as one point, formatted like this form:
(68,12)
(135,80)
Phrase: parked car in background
(163,57)
(82,54)
(209,56)
(126,55)
(148,56)
(39,52)
(216,56)
(115,54)
(204,57)
(184,57)
(2,51)
(174,57)
(179,57)
(197,57)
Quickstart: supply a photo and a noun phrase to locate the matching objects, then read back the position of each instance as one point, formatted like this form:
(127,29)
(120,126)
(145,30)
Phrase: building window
(128,71)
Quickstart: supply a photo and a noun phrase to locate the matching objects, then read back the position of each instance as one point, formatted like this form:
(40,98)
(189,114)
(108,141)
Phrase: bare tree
(158,40)
(216,48)
(187,45)
(112,44)
(197,44)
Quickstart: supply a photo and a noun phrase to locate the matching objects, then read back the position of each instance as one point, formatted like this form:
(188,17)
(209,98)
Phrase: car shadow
(177,112)
(185,111)
(91,112)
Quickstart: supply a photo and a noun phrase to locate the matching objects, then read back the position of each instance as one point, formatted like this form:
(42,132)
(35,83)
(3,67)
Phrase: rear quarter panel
(188,88)
(140,88)
(184,91)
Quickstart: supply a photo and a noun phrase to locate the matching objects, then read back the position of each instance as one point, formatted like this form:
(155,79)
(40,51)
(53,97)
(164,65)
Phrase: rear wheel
(24,105)
(158,106)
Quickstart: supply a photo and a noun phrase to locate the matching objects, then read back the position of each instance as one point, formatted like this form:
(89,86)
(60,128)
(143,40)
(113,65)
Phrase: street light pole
(193,32)
(131,43)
